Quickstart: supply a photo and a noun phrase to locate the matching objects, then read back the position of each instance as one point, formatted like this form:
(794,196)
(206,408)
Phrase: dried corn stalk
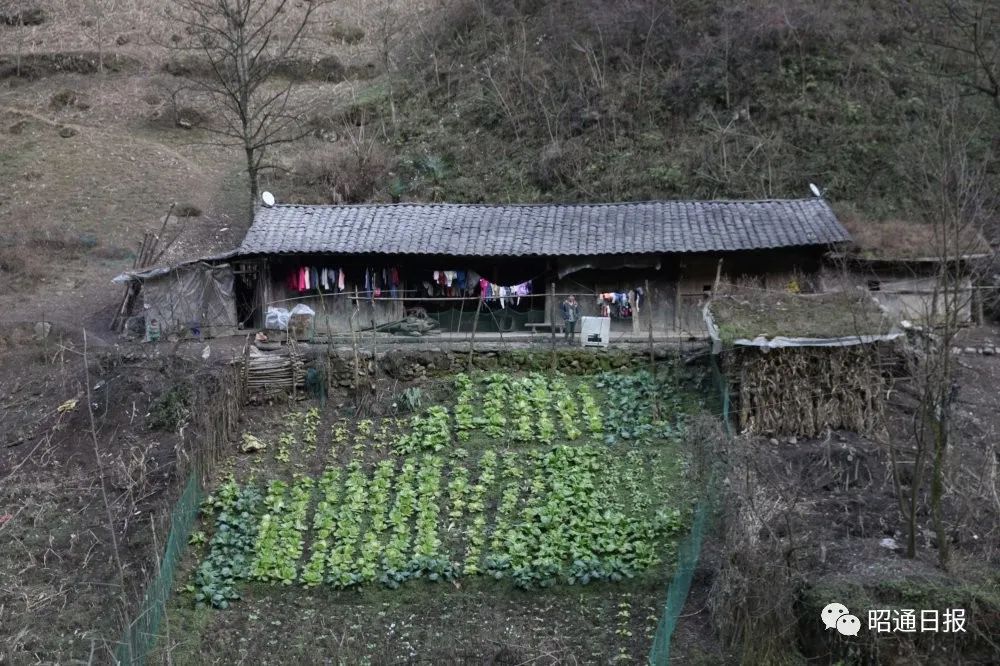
(804,390)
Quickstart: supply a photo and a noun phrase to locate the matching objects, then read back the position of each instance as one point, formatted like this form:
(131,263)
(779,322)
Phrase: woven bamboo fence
(273,373)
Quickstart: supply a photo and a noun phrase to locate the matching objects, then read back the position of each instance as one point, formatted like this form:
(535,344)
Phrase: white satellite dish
(815,190)
(267,198)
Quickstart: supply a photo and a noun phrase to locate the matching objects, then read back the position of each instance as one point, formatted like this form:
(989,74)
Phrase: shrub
(338,173)
(171,410)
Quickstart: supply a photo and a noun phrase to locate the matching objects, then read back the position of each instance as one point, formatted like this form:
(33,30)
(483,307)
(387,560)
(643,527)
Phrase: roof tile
(543,229)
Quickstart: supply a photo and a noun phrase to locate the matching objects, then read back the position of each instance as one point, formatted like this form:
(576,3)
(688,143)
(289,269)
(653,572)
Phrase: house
(901,264)
(505,267)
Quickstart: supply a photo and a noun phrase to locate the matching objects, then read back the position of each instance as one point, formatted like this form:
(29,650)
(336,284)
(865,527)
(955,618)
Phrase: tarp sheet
(193,299)
(149,273)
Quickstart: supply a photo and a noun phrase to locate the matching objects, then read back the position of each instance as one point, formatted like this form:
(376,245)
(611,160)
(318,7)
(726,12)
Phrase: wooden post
(374,353)
(649,323)
(461,311)
(677,306)
(475,325)
(552,324)
(354,341)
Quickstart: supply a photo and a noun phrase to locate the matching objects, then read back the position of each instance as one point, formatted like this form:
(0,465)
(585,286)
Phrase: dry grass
(750,312)
(899,239)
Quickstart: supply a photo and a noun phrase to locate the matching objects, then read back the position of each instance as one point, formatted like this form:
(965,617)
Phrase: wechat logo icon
(836,616)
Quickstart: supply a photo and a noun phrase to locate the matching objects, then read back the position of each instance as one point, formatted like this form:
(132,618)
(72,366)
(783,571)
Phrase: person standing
(570,312)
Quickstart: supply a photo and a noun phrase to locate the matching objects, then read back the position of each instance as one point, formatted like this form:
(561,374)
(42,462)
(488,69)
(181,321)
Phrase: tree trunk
(253,173)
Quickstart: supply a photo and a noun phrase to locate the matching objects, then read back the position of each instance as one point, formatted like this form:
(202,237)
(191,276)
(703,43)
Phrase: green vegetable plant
(378,508)
(465,421)
(428,560)
(310,429)
(323,524)
(642,407)
(477,509)
(341,561)
(591,412)
(495,406)
(513,478)
(235,513)
(429,432)
(521,408)
(279,539)
(566,408)
(458,492)
(567,529)
(395,556)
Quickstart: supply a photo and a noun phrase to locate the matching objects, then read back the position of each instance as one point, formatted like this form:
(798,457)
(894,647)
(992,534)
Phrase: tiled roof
(543,229)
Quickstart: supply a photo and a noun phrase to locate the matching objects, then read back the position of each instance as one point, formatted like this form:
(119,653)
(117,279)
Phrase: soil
(61,592)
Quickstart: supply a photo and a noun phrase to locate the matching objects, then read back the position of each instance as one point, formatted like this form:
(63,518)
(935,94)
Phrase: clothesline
(366,296)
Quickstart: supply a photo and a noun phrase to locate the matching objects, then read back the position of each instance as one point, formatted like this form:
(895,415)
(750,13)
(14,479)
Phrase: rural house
(499,267)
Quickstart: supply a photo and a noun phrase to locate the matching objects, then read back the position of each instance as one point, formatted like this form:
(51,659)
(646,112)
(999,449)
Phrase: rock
(989,351)
(68,99)
(773,441)
(793,440)
(969,350)
(956,350)
(187,210)
(889,543)
(184,124)
(122,40)
(67,132)
(42,330)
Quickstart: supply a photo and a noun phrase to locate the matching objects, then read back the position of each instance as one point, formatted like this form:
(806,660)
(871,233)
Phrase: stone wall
(407,366)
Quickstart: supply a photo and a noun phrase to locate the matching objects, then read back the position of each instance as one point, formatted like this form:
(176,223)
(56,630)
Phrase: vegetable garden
(528,481)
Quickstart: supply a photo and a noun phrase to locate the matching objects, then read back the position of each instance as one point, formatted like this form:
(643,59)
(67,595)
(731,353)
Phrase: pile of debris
(413,325)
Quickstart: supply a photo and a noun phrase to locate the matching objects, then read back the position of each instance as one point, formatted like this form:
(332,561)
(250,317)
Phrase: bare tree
(966,34)
(98,12)
(244,43)
(387,28)
(950,184)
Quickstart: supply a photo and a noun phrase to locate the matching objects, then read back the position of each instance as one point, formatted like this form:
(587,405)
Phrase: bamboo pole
(649,324)
(354,341)
(552,325)
(472,338)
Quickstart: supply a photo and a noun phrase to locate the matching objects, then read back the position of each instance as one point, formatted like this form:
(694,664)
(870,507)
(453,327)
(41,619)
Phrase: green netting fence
(689,551)
(140,636)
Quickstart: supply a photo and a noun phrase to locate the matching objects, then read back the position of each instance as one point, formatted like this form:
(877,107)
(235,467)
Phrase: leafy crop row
(323,525)
(428,432)
(638,405)
(231,548)
(568,532)
(477,509)
(395,557)
(280,532)
(341,562)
